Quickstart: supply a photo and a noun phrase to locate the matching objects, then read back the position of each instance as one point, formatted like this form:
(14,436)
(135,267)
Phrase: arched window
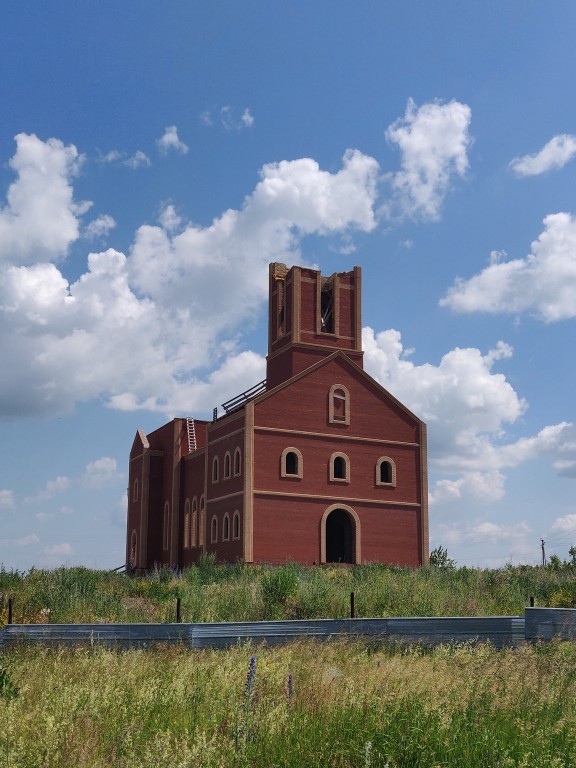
(339,467)
(166,526)
(215,469)
(236,525)
(135,490)
(226,527)
(385,471)
(237,462)
(187,524)
(339,404)
(194,522)
(291,464)
(202,522)
(214,530)
(227,466)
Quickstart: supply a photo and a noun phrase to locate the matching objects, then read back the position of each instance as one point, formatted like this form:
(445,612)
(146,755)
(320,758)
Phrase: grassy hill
(211,592)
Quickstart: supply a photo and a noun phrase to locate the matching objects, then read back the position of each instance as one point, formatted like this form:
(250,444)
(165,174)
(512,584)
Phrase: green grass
(349,704)
(239,592)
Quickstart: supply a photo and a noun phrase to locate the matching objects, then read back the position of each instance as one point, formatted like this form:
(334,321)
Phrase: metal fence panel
(498,630)
(546,623)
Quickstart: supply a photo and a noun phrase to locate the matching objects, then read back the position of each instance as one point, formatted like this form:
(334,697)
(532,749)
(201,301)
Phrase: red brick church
(316,464)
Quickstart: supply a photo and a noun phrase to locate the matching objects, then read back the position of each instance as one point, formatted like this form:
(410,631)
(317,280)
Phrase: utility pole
(543,552)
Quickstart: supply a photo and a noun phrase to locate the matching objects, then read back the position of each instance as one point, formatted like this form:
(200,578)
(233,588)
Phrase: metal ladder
(191,431)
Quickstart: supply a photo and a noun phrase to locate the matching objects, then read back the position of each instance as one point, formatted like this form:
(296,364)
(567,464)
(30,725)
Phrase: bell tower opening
(310,317)
(327,306)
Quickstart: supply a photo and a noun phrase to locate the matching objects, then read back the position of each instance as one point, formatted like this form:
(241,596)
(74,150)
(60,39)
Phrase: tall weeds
(212,592)
(337,704)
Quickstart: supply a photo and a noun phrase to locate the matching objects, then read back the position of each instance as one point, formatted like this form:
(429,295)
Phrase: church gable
(140,444)
(336,396)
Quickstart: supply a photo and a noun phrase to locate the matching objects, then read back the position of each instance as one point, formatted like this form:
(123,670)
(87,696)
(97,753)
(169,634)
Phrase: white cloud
(555,154)
(101,473)
(25,541)
(544,282)
(170,142)
(99,227)
(113,156)
(468,408)
(434,142)
(6,499)
(58,485)
(509,542)
(247,118)
(566,524)
(40,220)
(141,330)
(58,550)
(480,486)
(169,218)
(138,159)
(228,118)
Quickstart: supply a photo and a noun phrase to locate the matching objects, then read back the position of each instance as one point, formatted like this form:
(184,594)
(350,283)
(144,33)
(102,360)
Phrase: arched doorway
(340,535)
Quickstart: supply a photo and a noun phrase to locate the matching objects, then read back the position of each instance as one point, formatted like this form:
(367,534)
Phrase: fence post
(531,601)
(10,604)
(178,611)
(352,609)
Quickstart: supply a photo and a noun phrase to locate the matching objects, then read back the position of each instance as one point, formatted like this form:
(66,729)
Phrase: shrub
(278,585)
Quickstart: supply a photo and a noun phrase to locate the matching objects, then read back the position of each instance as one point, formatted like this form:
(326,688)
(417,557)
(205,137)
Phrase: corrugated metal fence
(536,624)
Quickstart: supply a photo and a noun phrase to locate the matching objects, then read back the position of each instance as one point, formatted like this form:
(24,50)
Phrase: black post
(10,604)
(178,611)
(531,601)
(352,611)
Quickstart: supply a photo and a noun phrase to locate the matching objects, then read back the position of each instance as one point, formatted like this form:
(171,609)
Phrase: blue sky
(155,157)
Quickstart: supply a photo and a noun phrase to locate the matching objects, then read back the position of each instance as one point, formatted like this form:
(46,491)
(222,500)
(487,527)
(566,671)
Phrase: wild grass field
(337,704)
(212,592)
(304,704)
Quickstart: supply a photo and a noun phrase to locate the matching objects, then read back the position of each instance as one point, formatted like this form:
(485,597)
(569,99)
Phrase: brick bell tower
(310,317)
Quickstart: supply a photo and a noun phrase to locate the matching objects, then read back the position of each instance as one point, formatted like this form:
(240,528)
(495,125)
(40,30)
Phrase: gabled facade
(317,464)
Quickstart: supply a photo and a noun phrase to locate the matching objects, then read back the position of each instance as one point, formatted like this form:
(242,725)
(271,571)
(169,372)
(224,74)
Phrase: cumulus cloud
(169,142)
(566,524)
(99,227)
(101,473)
(41,218)
(143,329)
(468,408)
(544,282)
(517,537)
(53,488)
(434,142)
(169,218)
(25,541)
(555,154)
(58,485)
